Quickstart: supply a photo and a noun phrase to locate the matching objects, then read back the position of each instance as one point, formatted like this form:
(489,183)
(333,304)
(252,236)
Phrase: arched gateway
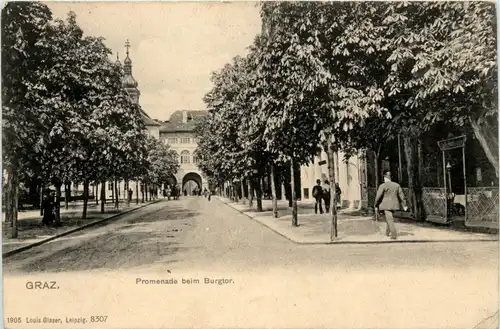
(190,182)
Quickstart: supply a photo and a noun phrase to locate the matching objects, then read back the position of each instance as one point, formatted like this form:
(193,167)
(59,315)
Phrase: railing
(434,202)
(482,206)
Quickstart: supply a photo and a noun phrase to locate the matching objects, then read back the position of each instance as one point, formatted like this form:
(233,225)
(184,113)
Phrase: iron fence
(482,206)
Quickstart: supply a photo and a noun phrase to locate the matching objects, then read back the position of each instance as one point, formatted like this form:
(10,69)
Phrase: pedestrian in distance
(389,198)
(326,194)
(47,208)
(317,194)
(129,199)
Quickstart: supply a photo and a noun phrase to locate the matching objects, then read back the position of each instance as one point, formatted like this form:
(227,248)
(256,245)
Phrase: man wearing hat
(389,198)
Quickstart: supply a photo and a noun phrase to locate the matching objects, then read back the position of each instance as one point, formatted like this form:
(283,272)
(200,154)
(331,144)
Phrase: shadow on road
(151,238)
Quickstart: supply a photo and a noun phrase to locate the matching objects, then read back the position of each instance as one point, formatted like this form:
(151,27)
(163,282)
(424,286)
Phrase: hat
(387,174)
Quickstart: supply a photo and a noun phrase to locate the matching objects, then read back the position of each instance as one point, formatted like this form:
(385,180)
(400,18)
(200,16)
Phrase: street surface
(277,282)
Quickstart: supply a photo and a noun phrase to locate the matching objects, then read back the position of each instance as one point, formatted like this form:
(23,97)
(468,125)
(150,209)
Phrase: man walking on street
(317,194)
(389,198)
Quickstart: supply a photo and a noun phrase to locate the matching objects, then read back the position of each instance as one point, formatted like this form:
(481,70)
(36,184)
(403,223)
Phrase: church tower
(129,83)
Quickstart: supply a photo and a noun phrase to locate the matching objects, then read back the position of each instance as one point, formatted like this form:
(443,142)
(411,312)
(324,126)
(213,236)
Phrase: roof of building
(147,119)
(176,124)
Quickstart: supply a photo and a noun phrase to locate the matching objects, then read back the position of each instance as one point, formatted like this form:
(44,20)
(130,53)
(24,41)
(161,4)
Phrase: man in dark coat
(317,194)
(390,198)
(48,208)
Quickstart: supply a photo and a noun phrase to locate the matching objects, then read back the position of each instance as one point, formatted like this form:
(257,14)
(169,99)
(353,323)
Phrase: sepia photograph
(272,164)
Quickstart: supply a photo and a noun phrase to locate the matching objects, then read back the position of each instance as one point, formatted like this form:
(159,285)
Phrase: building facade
(349,174)
(177,132)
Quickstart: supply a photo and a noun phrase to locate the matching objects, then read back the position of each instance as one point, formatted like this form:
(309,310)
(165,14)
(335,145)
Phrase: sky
(174,46)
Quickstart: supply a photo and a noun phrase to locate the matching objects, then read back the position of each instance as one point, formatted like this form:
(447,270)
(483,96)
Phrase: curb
(79,228)
(354,242)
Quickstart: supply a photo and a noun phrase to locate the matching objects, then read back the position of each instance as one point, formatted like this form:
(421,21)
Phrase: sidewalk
(315,229)
(31,231)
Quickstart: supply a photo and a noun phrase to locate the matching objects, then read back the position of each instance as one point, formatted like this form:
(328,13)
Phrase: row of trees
(66,117)
(348,76)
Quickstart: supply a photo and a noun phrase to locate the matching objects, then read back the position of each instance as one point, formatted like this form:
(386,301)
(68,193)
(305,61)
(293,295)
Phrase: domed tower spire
(128,61)
(118,59)
(129,83)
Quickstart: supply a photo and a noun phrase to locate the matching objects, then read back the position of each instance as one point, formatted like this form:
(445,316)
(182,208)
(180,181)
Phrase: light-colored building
(178,133)
(349,174)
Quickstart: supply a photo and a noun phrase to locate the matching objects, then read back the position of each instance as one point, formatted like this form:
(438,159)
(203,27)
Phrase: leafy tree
(24,25)
(161,162)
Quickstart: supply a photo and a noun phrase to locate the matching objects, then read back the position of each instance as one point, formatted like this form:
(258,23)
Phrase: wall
(346,174)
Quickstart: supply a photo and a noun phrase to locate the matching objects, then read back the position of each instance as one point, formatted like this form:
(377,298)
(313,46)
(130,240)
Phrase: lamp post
(448,171)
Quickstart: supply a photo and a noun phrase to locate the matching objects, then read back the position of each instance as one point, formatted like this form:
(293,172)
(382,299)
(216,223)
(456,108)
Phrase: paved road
(389,285)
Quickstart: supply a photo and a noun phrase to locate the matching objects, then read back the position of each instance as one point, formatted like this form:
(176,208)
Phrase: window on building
(184,157)
(185,140)
(195,159)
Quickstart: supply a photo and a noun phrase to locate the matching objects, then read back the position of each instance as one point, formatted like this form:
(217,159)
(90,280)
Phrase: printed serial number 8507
(100,318)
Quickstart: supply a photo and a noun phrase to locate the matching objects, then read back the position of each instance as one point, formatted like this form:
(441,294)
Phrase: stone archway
(190,181)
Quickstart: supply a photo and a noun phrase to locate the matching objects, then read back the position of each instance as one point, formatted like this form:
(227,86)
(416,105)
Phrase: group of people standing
(321,192)
(173,192)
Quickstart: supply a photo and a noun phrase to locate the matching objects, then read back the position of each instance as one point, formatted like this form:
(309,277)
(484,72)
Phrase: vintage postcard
(250,165)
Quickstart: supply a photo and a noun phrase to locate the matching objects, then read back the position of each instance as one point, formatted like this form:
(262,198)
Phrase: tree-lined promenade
(66,117)
(349,76)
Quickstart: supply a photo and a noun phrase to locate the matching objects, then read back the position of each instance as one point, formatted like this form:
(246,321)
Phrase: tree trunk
(273,191)
(143,187)
(8,199)
(117,201)
(250,192)
(376,155)
(415,197)
(489,145)
(258,190)
(85,198)
(41,200)
(137,192)
(96,193)
(58,204)
(333,199)
(15,203)
(242,186)
(103,195)
(295,220)
(12,198)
